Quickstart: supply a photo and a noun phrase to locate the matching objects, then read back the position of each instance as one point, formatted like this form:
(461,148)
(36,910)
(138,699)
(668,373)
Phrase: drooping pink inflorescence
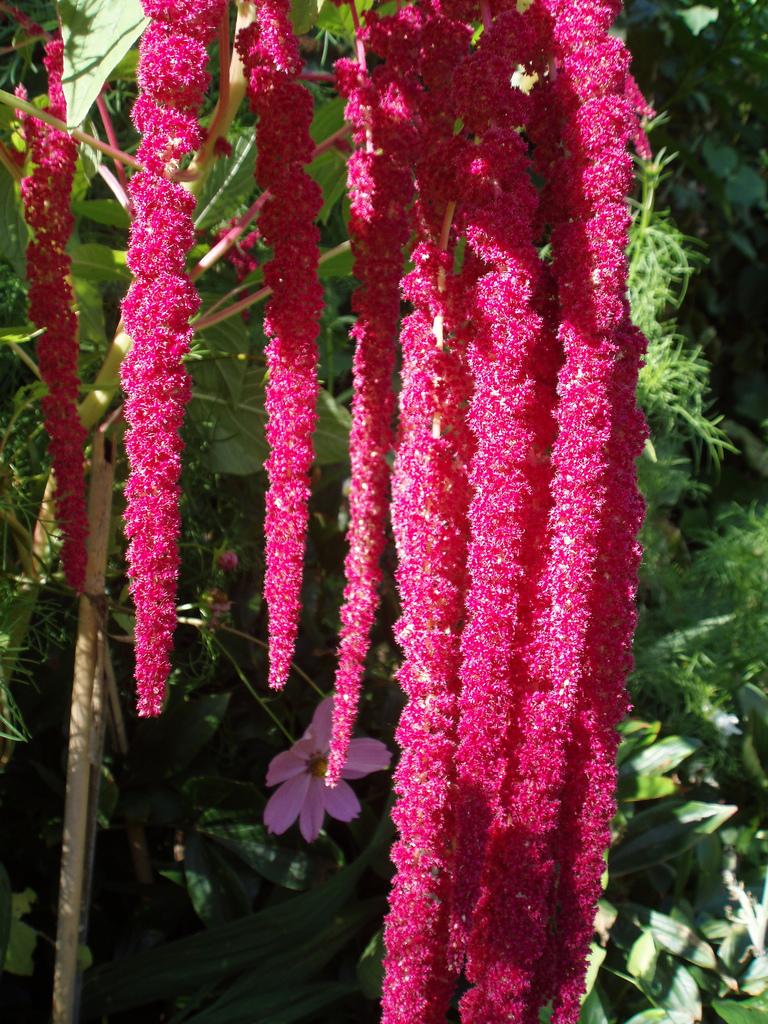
(46,196)
(283,106)
(580,653)
(429,515)
(513,358)
(380,185)
(172,78)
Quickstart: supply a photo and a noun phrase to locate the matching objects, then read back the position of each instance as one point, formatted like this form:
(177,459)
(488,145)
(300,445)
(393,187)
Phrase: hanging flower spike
(270,54)
(380,186)
(172,79)
(430,495)
(299,774)
(513,357)
(46,196)
(589,582)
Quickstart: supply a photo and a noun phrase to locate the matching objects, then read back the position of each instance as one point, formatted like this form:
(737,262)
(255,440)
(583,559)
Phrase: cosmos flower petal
(285,766)
(341,802)
(365,756)
(319,730)
(286,803)
(313,809)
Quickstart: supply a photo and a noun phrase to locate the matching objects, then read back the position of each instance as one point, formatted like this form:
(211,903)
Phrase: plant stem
(9,100)
(94,405)
(231,95)
(90,638)
(109,128)
(6,159)
(259,296)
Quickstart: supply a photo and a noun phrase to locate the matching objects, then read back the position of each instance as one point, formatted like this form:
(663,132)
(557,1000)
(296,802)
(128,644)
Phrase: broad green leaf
(13,230)
(303,15)
(283,945)
(660,757)
(5,914)
(215,890)
(21,938)
(339,265)
(664,832)
(90,312)
(698,17)
(97,35)
(246,1002)
(164,746)
(228,185)
(673,936)
(645,787)
(673,988)
(250,841)
(328,119)
(642,956)
(94,262)
(370,967)
(660,1016)
(102,211)
(597,955)
(746,1011)
(329,170)
(592,1010)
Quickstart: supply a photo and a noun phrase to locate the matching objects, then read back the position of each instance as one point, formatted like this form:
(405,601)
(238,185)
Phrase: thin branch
(9,100)
(259,296)
(115,188)
(109,128)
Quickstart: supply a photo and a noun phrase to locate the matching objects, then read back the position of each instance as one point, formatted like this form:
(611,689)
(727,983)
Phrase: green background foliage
(197,914)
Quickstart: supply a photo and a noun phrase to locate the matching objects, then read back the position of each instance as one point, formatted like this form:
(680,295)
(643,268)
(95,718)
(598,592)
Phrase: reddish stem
(26,23)
(318,76)
(109,128)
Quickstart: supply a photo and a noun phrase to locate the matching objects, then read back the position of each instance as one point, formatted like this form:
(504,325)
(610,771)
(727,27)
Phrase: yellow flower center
(318,766)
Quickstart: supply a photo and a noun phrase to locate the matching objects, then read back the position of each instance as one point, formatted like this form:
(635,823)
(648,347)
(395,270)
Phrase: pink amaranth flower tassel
(172,78)
(379,184)
(429,515)
(299,774)
(513,358)
(46,197)
(581,654)
(283,106)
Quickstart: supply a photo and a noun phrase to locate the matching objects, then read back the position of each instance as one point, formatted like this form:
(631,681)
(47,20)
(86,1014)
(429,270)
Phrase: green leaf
(244,1003)
(645,787)
(90,312)
(746,187)
(329,170)
(698,17)
(94,262)
(164,746)
(747,1011)
(229,183)
(250,841)
(370,967)
(5,914)
(339,265)
(641,961)
(664,832)
(661,757)
(13,230)
(673,936)
(328,119)
(282,945)
(660,1016)
(97,35)
(22,938)
(102,211)
(593,1011)
(215,890)
(673,988)
(303,15)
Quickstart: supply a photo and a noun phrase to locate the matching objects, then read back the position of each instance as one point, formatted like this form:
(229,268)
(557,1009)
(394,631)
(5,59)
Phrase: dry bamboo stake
(90,629)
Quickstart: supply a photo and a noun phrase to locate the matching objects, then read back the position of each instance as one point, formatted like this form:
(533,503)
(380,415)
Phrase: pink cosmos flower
(301,772)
